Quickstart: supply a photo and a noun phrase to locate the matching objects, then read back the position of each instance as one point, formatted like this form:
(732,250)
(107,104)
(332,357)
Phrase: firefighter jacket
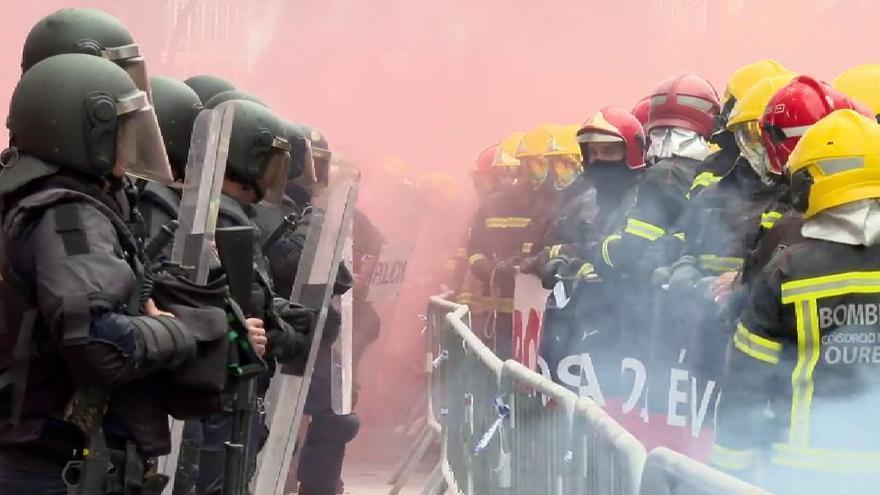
(802,381)
(714,168)
(503,233)
(646,241)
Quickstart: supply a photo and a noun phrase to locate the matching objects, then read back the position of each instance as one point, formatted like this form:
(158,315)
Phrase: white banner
(529,300)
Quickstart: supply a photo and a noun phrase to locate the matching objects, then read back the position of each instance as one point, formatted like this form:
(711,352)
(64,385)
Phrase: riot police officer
(71,268)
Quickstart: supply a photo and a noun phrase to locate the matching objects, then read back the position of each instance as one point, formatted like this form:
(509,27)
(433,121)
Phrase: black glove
(290,338)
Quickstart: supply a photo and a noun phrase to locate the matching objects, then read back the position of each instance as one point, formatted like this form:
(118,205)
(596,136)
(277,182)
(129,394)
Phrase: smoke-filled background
(406,88)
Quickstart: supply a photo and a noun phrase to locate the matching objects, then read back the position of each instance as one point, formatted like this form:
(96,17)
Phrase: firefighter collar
(856,224)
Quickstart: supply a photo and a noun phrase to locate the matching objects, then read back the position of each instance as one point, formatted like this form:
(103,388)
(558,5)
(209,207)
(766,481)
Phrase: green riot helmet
(84,113)
(177,107)
(234,94)
(298,149)
(86,31)
(207,86)
(259,153)
(317,170)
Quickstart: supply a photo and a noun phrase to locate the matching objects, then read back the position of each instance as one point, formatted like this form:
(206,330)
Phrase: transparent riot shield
(199,205)
(313,287)
(341,373)
(200,202)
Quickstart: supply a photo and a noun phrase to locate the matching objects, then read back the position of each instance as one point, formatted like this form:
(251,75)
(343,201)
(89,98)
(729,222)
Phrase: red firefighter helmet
(483,173)
(685,100)
(615,124)
(483,165)
(793,109)
(641,110)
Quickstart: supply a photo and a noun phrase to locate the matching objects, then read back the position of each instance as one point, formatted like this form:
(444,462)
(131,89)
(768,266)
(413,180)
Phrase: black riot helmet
(298,149)
(259,153)
(317,173)
(207,86)
(89,32)
(233,94)
(177,107)
(84,113)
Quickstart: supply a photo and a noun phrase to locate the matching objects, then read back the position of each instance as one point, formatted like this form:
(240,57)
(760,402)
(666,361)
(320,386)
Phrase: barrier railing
(505,429)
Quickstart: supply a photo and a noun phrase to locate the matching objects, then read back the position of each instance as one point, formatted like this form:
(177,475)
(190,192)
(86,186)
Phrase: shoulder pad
(20,170)
(162,196)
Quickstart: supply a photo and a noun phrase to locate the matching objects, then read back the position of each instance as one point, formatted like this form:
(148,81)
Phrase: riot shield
(199,205)
(200,202)
(313,287)
(341,373)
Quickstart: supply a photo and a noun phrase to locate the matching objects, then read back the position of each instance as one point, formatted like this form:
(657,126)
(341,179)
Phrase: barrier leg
(415,456)
(405,462)
(436,485)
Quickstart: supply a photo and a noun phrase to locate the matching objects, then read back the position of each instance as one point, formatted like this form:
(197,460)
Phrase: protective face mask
(667,142)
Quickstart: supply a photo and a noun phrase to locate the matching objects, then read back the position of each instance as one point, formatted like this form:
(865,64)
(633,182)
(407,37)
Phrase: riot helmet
(85,113)
(89,32)
(206,86)
(177,107)
(233,94)
(259,153)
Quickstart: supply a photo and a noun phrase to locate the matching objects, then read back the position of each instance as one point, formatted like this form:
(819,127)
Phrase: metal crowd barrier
(506,430)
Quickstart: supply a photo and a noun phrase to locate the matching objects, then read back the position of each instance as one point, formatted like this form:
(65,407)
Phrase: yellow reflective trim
(606,255)
(585,270)
(527,248)
(769,219)
(704,179)
(756,346)
(680,236)
(733,460)
(476,258)
(807,315)
(644,230)
(507,222)
(831,285)
(554,250)
(464,298)
(826,460)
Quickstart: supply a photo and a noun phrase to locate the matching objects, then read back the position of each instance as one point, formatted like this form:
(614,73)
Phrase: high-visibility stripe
(704,179)
(554,250)
(720,263)
(584,270)
(644,230)
(527,247)
(833,166)
(806,313)
(733,460)
(475,258)
(508,222)
(830,286)
(755,346)
(680,236)
(606,255)
(826,460)
(769,219)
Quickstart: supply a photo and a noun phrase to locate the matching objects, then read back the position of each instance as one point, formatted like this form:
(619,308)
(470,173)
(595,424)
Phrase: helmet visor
(537,168)
(751,147)
(271,183)
(129,58)
(140,150)
(565,170)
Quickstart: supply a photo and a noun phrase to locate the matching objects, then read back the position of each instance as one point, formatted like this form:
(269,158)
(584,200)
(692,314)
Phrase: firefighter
(722,162)
(682,115)
(800,379)
(472,291)
(612,143)
(503,234)
(861,83)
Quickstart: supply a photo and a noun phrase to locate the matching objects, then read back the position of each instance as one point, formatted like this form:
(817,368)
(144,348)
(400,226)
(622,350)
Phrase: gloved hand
(504,272)
(553,270)
(661,275)
(289,341)
(684,274)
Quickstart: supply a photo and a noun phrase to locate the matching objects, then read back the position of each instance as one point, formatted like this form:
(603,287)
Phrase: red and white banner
(529,300)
